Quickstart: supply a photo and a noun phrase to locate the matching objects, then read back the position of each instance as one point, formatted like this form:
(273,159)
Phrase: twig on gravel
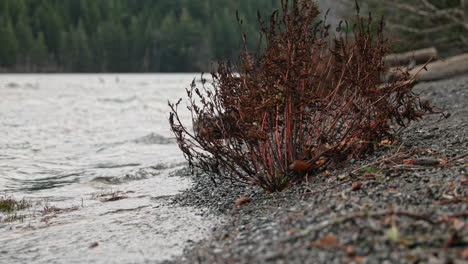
(413,167)
(461,214)
(338,220)
(379,161)
(458,157)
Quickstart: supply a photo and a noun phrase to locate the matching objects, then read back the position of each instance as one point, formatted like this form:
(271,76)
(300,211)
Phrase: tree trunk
(414,56)
(453,66)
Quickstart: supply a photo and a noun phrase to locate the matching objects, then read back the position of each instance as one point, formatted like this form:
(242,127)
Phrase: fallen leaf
(295,213)
(299,166)
(391,189)
(408,161)
(350,251)
(342,176)
(386,219)
(443,161)
(327,241)
(358,259)
(457,224)
(393,233)
(370,174)
(356,186)
(326,173)
(93,245)
(464,254)
(292,230)
(385,141)
(242,200)
(320,162)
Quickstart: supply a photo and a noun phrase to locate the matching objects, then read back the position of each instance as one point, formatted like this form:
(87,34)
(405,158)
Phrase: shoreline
(386,208)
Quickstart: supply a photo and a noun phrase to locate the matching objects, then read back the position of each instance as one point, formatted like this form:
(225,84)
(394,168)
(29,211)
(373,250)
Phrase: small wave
(107,180)
(153,138)
(114,166)
(48,182)
(138,174)
(117,100)
(13,85)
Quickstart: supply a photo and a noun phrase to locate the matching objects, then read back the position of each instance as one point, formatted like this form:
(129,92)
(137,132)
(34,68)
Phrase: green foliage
(39,51)
(9,49)
(25,39)
(124,35)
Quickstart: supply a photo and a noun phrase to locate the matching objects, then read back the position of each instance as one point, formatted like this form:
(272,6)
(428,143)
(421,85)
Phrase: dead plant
(303,104)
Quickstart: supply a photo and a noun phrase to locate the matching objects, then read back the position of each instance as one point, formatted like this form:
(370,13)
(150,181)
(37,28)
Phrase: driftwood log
(453,66)
(411,57)
(442,69)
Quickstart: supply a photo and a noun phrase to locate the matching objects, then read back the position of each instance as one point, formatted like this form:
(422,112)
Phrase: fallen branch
(416,56)
(443,69)
(453,66)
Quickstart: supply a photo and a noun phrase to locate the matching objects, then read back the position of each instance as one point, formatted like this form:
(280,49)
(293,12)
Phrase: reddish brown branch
(305,98)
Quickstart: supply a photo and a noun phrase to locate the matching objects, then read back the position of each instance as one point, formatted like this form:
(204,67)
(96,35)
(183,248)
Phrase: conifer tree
(9,44)
(39,51)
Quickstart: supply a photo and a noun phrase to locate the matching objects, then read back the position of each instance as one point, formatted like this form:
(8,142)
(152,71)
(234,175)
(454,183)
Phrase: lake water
(94,155)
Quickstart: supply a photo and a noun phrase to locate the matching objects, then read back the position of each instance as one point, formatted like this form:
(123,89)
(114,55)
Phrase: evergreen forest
(124,35)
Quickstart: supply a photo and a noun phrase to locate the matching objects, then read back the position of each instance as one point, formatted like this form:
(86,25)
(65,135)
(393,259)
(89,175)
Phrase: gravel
(406,203)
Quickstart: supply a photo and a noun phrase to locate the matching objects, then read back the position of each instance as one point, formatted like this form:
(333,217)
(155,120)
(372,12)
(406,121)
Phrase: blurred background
(187,35)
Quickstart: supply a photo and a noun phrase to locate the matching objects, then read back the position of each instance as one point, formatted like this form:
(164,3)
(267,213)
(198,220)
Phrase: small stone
(426,162)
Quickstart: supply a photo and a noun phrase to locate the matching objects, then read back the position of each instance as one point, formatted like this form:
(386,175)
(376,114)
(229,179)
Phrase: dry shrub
(304,104)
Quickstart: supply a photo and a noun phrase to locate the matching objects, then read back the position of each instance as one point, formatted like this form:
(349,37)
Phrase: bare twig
(431,219)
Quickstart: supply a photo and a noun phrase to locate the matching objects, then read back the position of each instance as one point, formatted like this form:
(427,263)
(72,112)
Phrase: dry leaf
(93,245)
(443,161)
(408,161)
(291,230)
(464,254)
(385,142)
(358,259)
(299,166)
(386,219)
(457,224)
(356,186)
(242,200)
(370,174)
(393,233)
(391,189)
(342,176)
(326,173)
(350,251)
(320,162)
(327,241)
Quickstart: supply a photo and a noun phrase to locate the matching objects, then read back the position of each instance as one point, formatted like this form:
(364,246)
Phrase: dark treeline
(123,35)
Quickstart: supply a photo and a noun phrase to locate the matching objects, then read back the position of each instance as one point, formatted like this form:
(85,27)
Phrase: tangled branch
(304,104)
